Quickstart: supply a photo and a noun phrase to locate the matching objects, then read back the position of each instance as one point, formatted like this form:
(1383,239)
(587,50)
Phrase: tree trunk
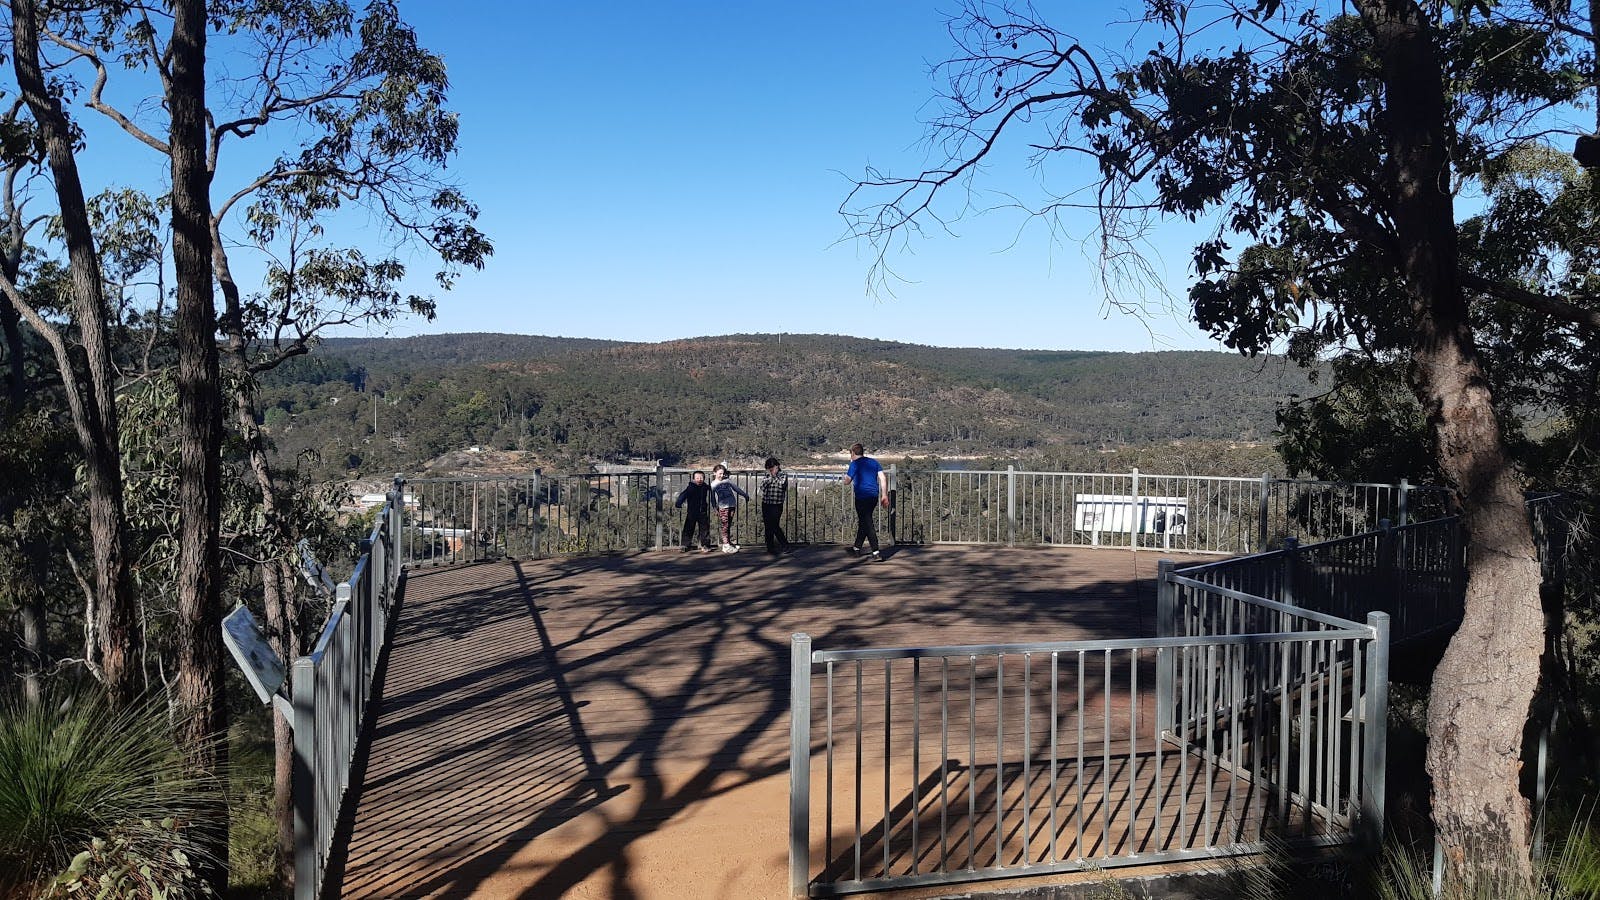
(201,707)
(277,578)
(35,642)
(89,379)
(1484,686)
(16,373)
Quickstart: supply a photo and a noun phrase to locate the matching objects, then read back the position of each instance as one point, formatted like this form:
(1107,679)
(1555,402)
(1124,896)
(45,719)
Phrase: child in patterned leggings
(726,494)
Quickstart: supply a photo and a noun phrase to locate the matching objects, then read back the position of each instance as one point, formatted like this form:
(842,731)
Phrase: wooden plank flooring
(618,726)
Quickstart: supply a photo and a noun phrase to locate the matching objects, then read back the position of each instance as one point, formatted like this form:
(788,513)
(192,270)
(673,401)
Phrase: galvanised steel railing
(1415,573)
(945,765)
(461,520)
(330,689)
(1191,513)
(456,520)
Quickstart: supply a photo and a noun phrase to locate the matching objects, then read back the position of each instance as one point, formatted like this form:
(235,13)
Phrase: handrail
(464,519)
(1356,631)
(330,692)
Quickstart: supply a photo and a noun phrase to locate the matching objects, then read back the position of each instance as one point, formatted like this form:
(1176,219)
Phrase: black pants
(704,521)
(771,524)
(865,507)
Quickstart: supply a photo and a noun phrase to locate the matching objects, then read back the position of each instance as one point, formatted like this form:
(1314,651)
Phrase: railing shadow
(518,702)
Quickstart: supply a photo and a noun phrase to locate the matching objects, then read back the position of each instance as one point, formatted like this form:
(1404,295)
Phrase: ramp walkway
(617,726)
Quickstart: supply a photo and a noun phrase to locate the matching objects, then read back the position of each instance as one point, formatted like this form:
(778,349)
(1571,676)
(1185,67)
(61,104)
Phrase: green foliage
(1367,427)
(144,862)
(747,396)
(89,791)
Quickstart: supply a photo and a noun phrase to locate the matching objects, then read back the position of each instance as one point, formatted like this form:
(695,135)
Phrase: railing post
(1133,512)
(1291,569)
(1261,532)
(1166,626)
(1405,492)
(534,524)
(303,780)
(660,523)
(799,765)
(1375,736)
(1011,506)
(1540,785)
(1388,571)
(397,521)
(894,504)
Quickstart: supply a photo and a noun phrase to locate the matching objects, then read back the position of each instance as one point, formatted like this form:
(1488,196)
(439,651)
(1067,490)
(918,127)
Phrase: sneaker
(706,549)
(729,548)
(876,556)
(853,551)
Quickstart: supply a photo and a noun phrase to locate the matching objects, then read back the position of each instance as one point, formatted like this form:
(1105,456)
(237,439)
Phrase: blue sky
(655,171)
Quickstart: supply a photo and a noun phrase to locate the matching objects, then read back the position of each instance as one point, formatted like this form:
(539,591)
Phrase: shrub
(98,795)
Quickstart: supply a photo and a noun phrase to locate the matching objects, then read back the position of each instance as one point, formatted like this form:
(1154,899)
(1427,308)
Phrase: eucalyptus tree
(87,373)
(349,110)
(1326,147)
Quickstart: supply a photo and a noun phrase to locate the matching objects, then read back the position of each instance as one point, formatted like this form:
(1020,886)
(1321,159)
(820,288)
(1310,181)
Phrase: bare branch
(1567,309)
(96,102)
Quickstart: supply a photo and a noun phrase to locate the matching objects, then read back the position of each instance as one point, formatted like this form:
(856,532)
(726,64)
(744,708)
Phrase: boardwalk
(617,726)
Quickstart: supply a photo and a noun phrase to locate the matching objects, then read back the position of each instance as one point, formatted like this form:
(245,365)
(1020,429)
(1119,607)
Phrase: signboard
(1124,514)
(250,650)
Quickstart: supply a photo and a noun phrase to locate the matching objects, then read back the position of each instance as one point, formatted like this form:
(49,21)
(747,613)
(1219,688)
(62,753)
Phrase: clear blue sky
(654,171)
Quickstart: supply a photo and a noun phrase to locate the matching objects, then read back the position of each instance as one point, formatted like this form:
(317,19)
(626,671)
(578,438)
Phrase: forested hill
(568,401)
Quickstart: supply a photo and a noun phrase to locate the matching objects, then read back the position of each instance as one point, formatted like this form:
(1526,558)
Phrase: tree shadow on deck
(605,696)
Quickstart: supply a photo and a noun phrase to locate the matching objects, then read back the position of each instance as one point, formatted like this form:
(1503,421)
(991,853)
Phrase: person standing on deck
(870,487)
(727,494)
(696,495)
(774,490)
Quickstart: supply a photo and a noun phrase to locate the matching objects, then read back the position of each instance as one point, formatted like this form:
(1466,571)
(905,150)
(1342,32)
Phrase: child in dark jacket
(696,496)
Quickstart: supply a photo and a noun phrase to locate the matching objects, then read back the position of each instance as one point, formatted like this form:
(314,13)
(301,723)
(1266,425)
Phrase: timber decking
(618,726)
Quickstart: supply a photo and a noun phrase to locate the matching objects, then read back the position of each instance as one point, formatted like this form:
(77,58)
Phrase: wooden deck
(618,726)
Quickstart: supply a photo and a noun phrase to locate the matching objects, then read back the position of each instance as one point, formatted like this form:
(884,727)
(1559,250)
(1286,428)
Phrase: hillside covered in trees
(570,402)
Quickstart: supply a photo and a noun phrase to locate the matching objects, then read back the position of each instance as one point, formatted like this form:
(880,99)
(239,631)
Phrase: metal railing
(1415,573)
(1189,513)
(945,765)
(330,689)
(458,520)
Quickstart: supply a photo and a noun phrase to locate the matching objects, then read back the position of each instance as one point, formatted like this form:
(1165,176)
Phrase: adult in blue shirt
(871,488)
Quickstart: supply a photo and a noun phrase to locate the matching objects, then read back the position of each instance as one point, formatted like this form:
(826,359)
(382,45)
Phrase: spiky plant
(90,791)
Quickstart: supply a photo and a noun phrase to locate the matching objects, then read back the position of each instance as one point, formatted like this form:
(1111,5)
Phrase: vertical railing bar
(1210,737)
(1105,754)
(1055,760)
(972,762)
(800,766)
(1374,750)
(888,734)
(1081,787)
(1133,750)
(828,803)
(1285,712)
(1334,806)
(1027,756)
(1305,733)
(916,755)
(1357,722)
(999,759)
(944,763)
(859,717)
(1183,718)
